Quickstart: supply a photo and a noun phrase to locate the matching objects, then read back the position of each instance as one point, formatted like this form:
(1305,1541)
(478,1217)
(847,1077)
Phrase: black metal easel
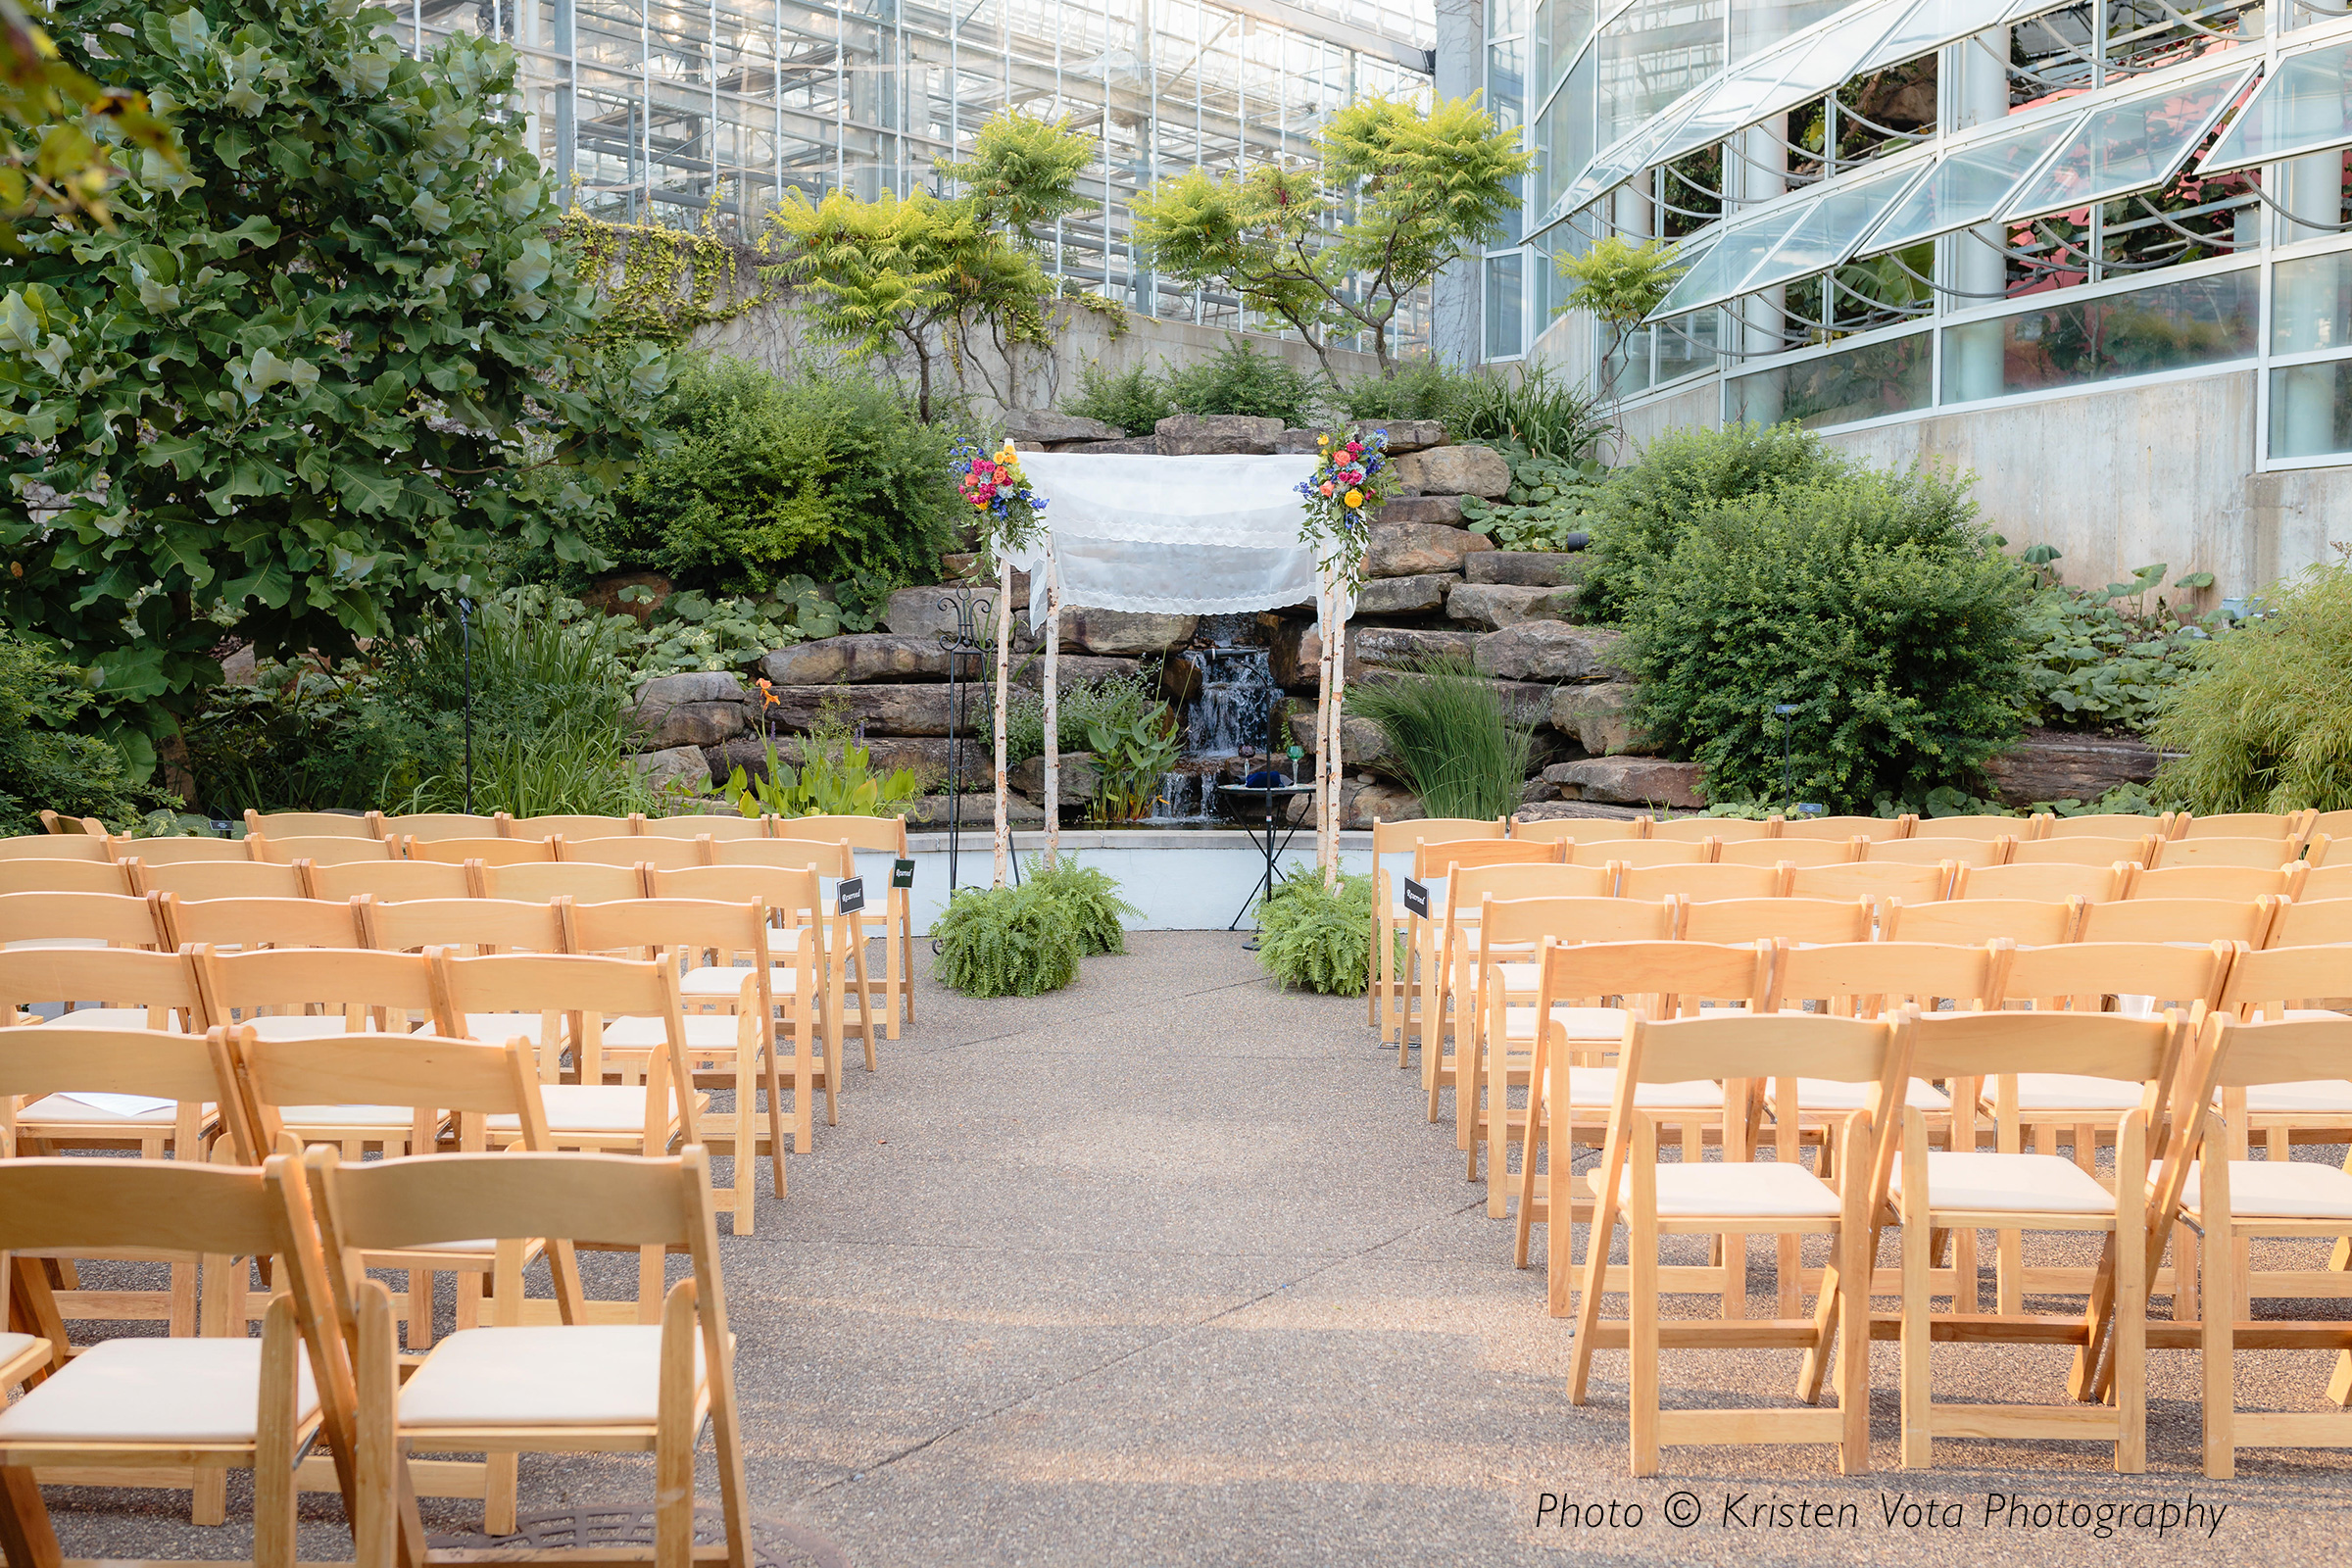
(961,645)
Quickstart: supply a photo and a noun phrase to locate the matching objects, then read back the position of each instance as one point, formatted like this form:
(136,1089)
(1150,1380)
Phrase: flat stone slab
(1197,435)
(1052,426)
(1126,633)
(856,657)
(1630,781)
(1547,650)
(1395,646)
(1492,606)
(1455,472)
(1419,595)
(1445,510)
(1076,775)
(1600,718)
(1528,568)
(697,708)
(2058,765)
(1411,549)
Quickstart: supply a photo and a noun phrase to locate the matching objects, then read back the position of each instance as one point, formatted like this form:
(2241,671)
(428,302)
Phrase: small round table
(1273,848)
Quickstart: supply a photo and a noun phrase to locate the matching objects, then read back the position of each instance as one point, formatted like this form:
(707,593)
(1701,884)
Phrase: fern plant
(1091,898)
(1315,939)
(1007,941)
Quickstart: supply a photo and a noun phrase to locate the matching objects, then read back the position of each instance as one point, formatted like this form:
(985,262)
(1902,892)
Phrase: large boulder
(1078,777)
(700,708)
(1127,633)
(929,757)
(1547,650)
(1523,701)
(1492,606)
(1397,647)
(885,709)
(925,613)
(2054,765)
(1601,717)
(1051,424)
(1455,472)
(1139,446)
(1630,781)
(1363,742)
(1072,669)
(1412,549)
(680,766)
(1404,435)
(978,811)
(1528,568)
(1447,509)
(855,656)
(1196,434)
(1298,443)
(1363,803)
(1556,811)
(1419,595)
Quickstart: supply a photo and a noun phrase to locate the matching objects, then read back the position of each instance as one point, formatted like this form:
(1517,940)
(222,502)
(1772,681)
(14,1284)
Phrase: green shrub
(2265,719)
(1134,399)
(1874,604)
(1456,745)
(1007,941)
(1093,901)
(1117,703)
(836,777)
(1238,379)
(1640,512)
(2104,659)
(1414,389)
(1536,411)
(42,766)
(825,476)
(1314,939)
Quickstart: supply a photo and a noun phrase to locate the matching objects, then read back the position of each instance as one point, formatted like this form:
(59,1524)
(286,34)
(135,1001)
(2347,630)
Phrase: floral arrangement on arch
(1353,476)
(993,484)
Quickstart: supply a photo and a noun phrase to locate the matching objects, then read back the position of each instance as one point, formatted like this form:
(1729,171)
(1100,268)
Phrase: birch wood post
(1004,674)
(1049,567)
(1339,761)
(1325,598)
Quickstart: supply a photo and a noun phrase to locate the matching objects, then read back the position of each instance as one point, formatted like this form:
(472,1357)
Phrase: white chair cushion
(2275,1189)
(594,1375)
(2017,1183)
(112,1018)
(1597,1086)
(12,1346)
(2071,1091)
(704,1031)
(302,1025)
(2327,1096)
(1761,1189)
(1606,1024)
(37,944)
(496,1028)
(151,1389)
(55,1109)
(300,1118)
(586,1108)
(1832,1095)
(711,981)
(1522,978)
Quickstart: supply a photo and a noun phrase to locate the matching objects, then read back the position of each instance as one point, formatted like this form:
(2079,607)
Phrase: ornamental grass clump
(1007,941)
(1455,742)
(1316,939)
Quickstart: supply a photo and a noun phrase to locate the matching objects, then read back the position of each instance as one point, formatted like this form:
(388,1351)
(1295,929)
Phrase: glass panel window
(1686,344)
(1652,54)
(1627,371)
(1968,186)
(1506,81)
(1566,131)
(1826,234)
(1930,24)
(1723,269)
(2311,304)
(1868,382)
(1755,29)
(2305,106)
(1506,307)
(2311,409)
(2126,147)
(1504,17)
(2173,326)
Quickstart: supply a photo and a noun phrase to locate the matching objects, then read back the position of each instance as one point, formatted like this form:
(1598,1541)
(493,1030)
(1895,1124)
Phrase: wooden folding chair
(658,850)
(142,1407)
(513,1388)
(2085,850)
(2103,825)
(132,989)
(54,847)
(2334,851)
(1982,829)
(1570,1088)
(1738,1194)
(580,881)
(180,851)
(1458,951)
(1973,922)
(427,826)
(803,978)
(1701,882)
(1501,995)
(730,1035)
(284,993)
(1432,864)
(1873,828)
(828,858)
(1589,829)
(2040,884)
(571,827)
(1389,1003)
(2269,855)
(33,874)
(323,851)
(387,883)
(2180,920)
(1645,854)
(490,851)
(2311,922)
(2289,984)
(1938,850)
(1744,920)
(69,826)
(467,928)
(1875,879)
(216,879)
(77,920)
(2241,884)
(886,835)
(309,825)
(2294,825)
(1938,1191)
(229,924)
(1722,829)
(1791,851)
(711,825)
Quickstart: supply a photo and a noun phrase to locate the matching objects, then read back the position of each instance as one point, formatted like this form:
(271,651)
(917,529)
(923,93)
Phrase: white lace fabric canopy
(1191,536)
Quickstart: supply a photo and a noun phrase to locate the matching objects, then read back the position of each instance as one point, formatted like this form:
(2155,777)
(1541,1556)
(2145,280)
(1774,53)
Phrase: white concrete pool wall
(1182,879)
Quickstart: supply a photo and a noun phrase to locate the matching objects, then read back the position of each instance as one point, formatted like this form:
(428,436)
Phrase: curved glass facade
(1889,207)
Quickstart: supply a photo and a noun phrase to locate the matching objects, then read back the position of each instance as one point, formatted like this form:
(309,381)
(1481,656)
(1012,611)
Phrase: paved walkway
(1168,1269)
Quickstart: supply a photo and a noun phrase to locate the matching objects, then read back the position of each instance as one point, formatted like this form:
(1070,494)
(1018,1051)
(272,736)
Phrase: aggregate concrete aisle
(1168,1269)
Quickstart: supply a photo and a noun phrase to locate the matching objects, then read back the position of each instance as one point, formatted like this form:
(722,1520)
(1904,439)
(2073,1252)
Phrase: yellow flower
(1355,498)
(1322,440)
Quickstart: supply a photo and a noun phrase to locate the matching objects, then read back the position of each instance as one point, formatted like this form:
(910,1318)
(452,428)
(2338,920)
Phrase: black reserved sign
(1416,898)
(853,894)
(902,873)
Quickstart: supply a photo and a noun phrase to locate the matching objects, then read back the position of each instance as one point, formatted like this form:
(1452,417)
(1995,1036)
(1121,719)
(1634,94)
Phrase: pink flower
(1355,447)
(1325,487)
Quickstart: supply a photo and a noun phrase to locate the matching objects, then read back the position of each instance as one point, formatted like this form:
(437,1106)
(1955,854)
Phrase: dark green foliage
(829,476)
(2266,720)
(1455,744)
(1117,703)
(1640,512)
(1091,898)
(1549,500)
(1238,379)
(1007,941)
(1134,399)
(41,767)
(2105,657)
(1533,411)
(1872,602)
(1416,389)
(1314,939)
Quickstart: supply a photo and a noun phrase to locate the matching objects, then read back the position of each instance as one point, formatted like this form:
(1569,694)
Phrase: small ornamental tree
(56,163)
(301,385)
(1411,190)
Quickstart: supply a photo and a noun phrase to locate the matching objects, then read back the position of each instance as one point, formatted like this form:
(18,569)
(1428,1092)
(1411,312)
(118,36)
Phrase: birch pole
(1049,567)
(1326,599)
(1004,661)
(1338,655)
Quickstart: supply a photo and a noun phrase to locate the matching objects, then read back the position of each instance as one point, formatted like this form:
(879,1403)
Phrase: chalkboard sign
(1416,898)
(853,894)
(902,873)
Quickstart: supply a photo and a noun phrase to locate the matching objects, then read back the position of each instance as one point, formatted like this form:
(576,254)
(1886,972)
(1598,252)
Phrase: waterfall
(1237,692)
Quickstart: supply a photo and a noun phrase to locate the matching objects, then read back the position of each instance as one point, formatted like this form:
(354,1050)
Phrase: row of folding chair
(2296,826)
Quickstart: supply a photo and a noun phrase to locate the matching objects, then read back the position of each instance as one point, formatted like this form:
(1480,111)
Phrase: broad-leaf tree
(306,382)
(62,132)
(1399,193)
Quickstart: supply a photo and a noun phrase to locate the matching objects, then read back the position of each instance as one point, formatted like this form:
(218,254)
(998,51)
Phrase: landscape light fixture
(1786,711)
(466,642)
